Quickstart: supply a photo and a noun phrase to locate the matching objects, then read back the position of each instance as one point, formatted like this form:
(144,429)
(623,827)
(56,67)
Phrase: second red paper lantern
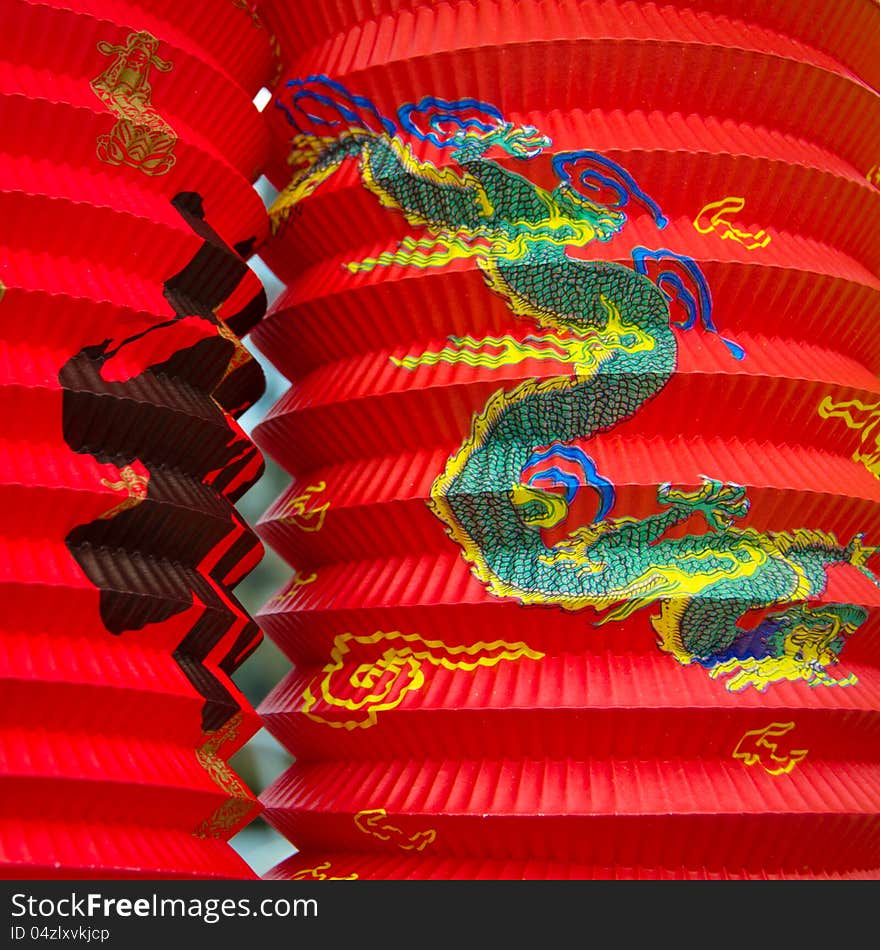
(581,517)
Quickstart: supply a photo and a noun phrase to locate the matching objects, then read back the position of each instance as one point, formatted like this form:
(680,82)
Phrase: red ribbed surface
(130,144)
(440,727)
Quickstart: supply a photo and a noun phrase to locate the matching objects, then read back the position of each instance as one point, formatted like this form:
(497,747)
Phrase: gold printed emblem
(873,175)
(133,483)
(714,216)
(232,812)
(373,821)
(760,746)
(299,511)
(351,696)
(250,11)
(240,355)
(140,138)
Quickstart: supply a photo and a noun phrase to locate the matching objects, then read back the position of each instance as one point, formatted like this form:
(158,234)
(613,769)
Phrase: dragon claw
(721,503)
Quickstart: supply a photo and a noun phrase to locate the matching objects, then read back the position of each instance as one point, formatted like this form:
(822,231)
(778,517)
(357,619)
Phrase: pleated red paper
(130,144)
(577,592)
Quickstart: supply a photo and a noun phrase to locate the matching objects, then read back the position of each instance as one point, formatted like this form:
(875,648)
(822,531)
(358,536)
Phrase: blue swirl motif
(683,281)
(571,483)
(353,110)
(601,171)
(457,112)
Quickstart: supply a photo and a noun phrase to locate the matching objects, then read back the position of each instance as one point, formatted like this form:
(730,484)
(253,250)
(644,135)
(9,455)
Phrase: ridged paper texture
(581,431)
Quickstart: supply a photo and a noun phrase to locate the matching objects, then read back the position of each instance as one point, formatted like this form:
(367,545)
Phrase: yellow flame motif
(714,217)
(373,821)
(140,138)
(318,874)
(584,352)
(491,351)
(862,417)
(297,582)
(760,747)
(873,175)
(300,511)
(353,698)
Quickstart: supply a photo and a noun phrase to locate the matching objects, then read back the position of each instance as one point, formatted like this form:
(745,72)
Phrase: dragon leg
(707,626)
(720,503)
(795,643)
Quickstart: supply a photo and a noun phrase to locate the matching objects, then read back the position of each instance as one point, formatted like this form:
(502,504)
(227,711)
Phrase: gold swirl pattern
(714,217)
(348,699)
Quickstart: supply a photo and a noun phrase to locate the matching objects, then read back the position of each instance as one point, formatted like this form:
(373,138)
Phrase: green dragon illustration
(612,324)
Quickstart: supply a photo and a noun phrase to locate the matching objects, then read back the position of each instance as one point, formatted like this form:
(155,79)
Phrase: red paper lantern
(578,318)
(130,145)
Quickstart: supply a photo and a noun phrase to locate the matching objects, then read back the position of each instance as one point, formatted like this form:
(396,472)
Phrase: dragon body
(612,324)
